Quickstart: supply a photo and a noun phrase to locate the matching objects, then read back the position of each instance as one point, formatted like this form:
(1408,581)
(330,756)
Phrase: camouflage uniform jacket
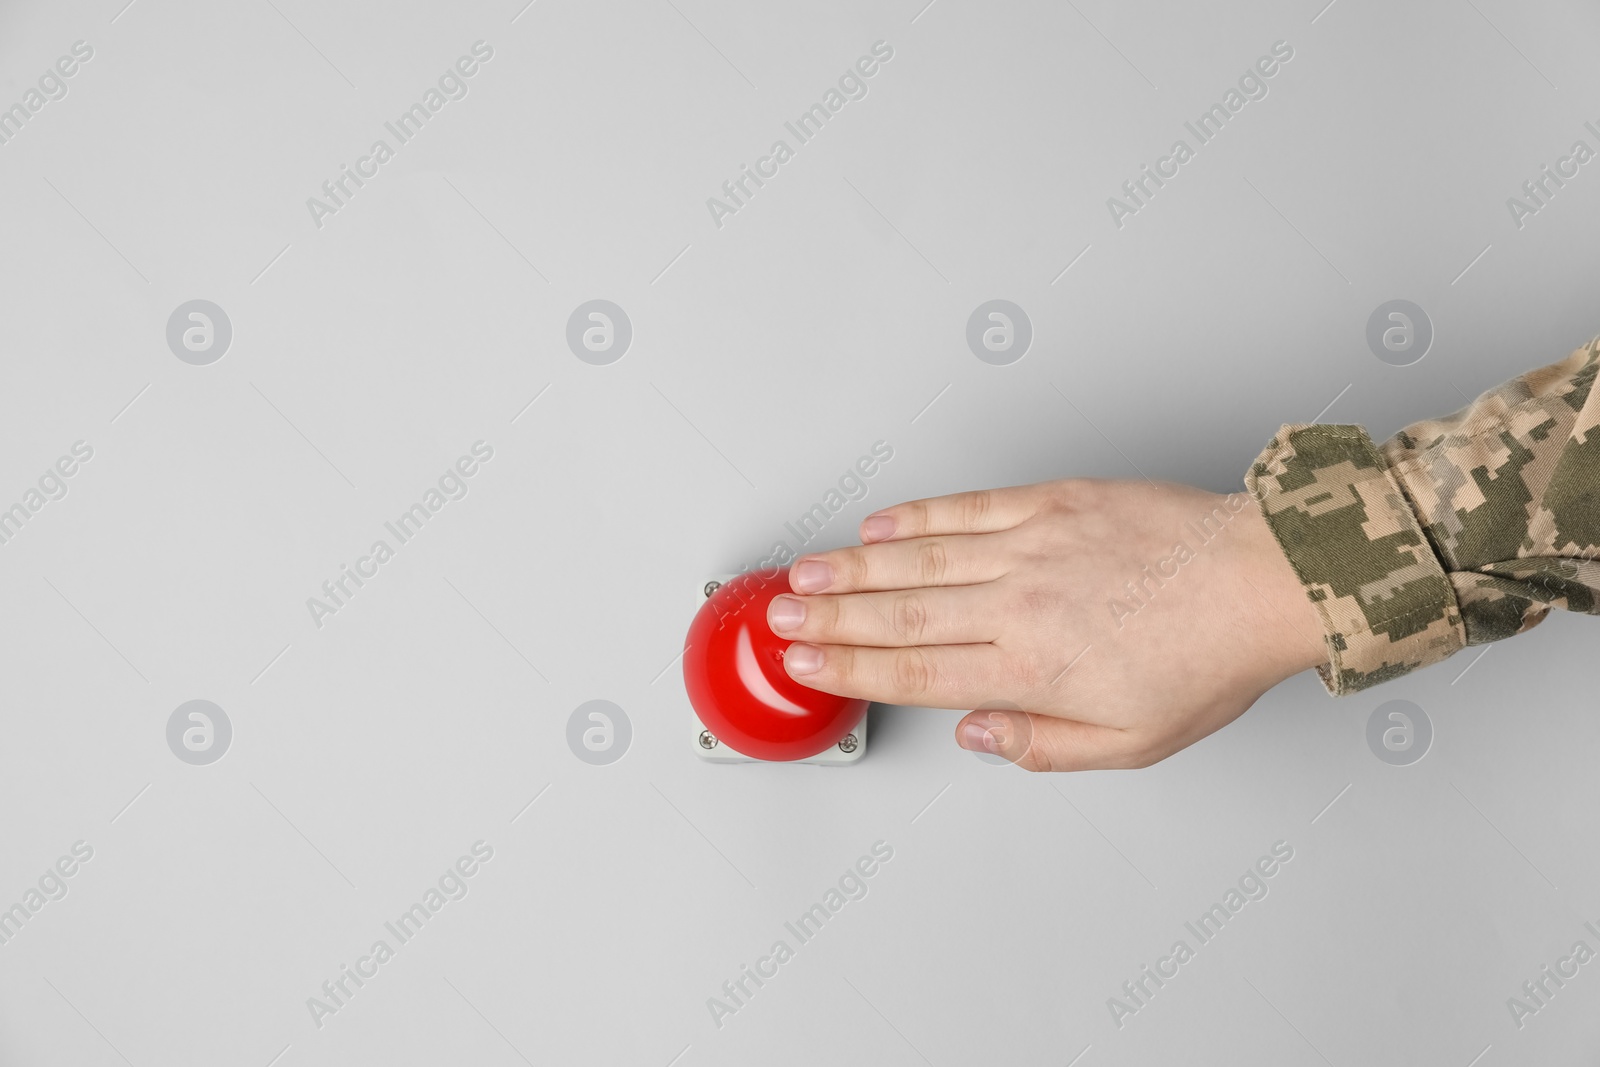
(1455,531)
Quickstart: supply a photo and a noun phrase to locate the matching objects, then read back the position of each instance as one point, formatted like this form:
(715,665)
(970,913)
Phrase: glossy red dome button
(733,670)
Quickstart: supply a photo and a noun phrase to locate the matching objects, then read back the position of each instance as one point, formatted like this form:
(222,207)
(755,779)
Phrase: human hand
(1072,600)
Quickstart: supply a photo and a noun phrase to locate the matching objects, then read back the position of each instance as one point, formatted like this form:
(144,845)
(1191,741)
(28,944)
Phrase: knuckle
(910,617)
(1039,538)
(975,509)
(1057,495)
(1044,755)
(912,673)
(1021,674)
(932,562)
(1037,601)
(829,617)
(853,568)
(1071,494)
(915,516)
(838,666)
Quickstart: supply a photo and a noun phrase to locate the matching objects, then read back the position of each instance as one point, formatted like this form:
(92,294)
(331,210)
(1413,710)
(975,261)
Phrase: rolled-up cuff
(1352,536)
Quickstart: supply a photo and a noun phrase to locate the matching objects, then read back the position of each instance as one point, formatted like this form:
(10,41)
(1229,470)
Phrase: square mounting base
(708,748)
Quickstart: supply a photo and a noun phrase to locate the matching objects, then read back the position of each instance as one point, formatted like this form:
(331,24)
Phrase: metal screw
(707,741)
(848,744)
(712,587)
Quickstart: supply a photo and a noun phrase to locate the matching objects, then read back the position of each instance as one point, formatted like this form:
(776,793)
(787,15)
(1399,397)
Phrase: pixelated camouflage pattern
(1456,531)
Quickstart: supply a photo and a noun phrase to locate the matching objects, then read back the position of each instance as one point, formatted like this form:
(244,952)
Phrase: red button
(733,670)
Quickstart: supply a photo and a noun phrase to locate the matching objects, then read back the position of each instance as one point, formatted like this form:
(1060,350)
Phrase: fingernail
(975,738)
(812,576)
(877,528)
(803,659)
(785,613)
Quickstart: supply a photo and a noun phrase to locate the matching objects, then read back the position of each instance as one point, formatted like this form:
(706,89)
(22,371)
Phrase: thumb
(1044,742)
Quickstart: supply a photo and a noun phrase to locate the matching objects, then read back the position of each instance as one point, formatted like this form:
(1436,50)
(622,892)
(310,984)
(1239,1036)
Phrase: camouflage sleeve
(1455,531)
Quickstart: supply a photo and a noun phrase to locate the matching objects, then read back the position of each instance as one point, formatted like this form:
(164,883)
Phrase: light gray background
(767,356)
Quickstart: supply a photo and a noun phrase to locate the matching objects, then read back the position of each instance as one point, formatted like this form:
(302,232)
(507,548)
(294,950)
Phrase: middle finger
(942,615)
